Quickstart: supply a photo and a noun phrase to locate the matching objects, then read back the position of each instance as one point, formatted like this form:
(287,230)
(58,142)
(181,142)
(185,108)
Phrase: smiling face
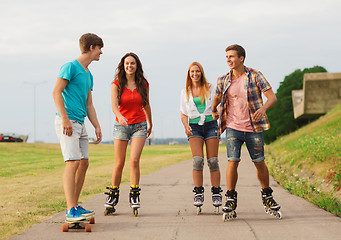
(130,65)
(195,74)
(233,60)
(96,53)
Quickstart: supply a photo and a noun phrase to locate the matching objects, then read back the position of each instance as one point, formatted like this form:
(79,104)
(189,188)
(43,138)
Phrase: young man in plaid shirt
(243,115)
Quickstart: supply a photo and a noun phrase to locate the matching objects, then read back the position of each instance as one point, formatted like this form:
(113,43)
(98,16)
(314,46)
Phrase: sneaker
(74,215)
(85,212)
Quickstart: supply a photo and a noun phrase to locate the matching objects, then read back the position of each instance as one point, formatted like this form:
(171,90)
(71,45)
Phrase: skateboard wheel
(87,228)
(92,220)
(65,227)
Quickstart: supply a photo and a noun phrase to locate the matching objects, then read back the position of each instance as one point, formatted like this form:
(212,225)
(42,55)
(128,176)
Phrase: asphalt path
(167,212)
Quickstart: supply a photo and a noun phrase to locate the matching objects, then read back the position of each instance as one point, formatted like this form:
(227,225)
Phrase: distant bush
(281,116)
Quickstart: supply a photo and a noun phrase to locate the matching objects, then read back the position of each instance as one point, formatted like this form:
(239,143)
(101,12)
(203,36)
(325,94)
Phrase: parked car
(10,138)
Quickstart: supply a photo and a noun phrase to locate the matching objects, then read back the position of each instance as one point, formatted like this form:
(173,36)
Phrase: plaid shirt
(254,84)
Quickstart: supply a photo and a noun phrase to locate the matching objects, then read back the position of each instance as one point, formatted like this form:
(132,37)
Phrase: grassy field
(308,161)
(31,178)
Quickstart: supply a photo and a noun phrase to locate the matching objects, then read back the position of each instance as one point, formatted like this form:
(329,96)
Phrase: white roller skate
(198,198)
(134,199)
(112,200)
(230,206)
(270,205)
(216,198)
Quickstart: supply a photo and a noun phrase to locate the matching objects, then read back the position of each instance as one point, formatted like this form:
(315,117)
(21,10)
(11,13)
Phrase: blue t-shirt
(76,91)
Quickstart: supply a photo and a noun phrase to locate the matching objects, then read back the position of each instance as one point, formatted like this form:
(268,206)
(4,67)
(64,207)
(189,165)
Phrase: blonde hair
(204,85)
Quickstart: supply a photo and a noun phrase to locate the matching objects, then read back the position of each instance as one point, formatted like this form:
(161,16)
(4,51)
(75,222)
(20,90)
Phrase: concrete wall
(321,92)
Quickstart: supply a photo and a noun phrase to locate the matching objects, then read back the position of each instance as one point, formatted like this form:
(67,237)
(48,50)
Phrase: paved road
(167,212)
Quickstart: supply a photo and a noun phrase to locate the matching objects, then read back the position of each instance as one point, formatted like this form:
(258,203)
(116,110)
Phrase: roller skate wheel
(217,210)
(224,217)
(198,210)
(135,212)
(92,220)
(65,227)
(87,228)
(278,215)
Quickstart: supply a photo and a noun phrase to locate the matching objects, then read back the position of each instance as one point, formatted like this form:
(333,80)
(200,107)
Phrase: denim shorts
(253,140)
(130,131)
(76,146)
(206,131)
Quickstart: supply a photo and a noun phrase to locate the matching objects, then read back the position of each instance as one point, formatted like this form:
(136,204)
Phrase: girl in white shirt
(201,128)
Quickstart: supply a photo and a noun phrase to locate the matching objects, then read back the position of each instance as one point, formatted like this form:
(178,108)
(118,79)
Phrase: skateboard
(78,225)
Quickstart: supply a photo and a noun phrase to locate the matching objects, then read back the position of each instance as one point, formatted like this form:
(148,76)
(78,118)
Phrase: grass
(31,178)
(308,161)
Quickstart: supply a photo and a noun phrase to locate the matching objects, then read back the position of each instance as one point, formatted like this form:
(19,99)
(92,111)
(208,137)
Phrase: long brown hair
(140,80)
(204,85)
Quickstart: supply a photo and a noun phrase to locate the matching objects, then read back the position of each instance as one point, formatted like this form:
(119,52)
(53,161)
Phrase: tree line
(281,116)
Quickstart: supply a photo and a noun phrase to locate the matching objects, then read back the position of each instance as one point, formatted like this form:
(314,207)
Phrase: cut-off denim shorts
(253,140)
(130,131)
(206,131)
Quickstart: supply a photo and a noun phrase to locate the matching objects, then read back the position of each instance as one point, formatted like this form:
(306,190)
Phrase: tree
(281,116)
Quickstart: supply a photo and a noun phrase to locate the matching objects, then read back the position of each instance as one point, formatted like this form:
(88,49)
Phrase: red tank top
(131,105)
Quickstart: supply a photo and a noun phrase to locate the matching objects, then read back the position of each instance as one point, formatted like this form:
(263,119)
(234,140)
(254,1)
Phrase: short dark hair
(88,39)
(240,50)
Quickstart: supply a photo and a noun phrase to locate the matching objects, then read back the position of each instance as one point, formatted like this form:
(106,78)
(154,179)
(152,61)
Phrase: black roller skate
(198,198)
(270,205)
(134,199)
(216,198)
(112,200)
(230,206)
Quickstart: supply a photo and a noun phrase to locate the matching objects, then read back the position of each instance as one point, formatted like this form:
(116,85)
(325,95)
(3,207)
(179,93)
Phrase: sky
(37,37)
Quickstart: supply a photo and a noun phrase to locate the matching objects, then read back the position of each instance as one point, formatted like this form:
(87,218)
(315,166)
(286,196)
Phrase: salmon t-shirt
(238,116)
(131,105)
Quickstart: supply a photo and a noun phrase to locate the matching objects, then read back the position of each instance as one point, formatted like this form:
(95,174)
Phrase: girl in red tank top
(130,104)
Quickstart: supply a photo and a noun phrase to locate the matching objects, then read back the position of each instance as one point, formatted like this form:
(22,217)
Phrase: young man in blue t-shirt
(73,98)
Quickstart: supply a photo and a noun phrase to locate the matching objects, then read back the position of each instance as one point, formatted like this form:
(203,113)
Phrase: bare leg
(262,174)
(212,146)
(136,147)
(197,145)
(69,183)
(80,177)
(120,148)
(231,175)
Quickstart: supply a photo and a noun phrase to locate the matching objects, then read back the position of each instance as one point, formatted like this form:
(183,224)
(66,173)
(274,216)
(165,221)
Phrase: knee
(84,163)
(198,163)
(213,164)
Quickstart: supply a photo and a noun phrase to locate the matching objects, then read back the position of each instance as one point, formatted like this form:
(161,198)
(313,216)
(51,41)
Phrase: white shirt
(190,109)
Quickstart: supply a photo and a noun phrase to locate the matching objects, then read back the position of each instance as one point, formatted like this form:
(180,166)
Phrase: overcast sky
(38,36)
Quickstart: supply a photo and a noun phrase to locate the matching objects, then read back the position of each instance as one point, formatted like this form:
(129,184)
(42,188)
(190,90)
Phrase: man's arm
(58,100)
(93,117)
(271,100)
(215,104)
